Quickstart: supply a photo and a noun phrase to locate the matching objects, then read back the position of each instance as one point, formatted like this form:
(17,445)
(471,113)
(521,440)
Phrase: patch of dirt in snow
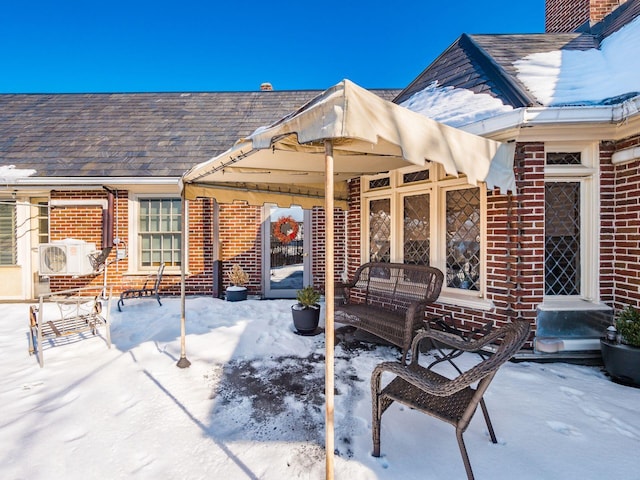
(282,398)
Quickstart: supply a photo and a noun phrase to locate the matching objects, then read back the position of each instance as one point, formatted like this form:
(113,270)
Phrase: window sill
(166,273)
(466,301)
(570,304)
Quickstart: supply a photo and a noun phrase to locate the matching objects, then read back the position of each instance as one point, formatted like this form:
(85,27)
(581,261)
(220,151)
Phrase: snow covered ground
(251,407)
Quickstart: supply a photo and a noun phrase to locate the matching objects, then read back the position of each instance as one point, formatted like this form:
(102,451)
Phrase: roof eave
(88,182)
(614,117)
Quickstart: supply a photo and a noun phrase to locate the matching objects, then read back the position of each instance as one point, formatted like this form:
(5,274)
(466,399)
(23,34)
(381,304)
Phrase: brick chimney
(565,16)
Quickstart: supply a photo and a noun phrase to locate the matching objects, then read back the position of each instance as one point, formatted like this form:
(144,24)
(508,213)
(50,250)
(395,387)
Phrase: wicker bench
(389,300)
(69,312)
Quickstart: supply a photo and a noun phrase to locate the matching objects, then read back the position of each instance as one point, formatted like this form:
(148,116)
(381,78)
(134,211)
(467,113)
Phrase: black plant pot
(305,319)
(234,295)
(622,362)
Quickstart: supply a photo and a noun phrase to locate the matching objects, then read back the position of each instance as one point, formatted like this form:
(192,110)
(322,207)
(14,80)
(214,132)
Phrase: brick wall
(318,246)
(626,231)
(602,8)
(607,224)
(80,222)
(84,222)
(567,15)
(241,242)
(354,248)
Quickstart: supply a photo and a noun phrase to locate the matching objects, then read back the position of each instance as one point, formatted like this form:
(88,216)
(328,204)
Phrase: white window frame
(587,175)
(133,249)
(436,186)
(12,235)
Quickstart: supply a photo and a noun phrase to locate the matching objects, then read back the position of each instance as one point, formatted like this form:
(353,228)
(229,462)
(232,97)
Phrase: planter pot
(236,294)
(621,361)
(305,319)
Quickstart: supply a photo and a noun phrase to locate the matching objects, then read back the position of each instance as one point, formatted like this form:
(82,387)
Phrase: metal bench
(144,291)
(65,313)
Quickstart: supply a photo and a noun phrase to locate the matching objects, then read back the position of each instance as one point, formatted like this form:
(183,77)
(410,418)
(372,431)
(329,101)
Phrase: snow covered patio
(251,406)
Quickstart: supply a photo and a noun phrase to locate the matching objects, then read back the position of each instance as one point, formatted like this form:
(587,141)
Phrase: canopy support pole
(183,362)
(329,335)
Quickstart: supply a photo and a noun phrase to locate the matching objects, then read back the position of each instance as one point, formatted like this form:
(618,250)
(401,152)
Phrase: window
(42,218)
(159,231)
(463,238)
(380,230)
(562,238)
(8,242)
(424,217)
(416,229)
(570,204)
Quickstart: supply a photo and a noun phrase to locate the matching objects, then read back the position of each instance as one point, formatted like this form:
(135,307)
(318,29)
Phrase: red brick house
(105,168)
(560,251)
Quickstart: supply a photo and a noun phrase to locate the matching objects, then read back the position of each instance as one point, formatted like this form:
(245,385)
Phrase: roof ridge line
(515,93)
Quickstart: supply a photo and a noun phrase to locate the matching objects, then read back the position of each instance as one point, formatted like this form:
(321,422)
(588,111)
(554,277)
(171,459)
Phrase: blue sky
(57,46)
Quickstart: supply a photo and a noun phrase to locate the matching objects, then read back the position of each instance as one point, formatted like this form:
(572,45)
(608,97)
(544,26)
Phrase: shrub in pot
(621,351)
(237,291)
(306,313)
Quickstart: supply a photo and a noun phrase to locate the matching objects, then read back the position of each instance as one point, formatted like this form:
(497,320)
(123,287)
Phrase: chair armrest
(417,376)
(453,340)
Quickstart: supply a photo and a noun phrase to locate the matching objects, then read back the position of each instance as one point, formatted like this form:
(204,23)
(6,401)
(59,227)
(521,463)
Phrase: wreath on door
(285,229)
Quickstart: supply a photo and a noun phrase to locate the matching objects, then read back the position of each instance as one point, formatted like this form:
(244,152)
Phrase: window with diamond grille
(160,226)
(413,177)
(564,158)
(416,229)
(8,242)
(380,230)
(562,238)
(379,183)
(463,239)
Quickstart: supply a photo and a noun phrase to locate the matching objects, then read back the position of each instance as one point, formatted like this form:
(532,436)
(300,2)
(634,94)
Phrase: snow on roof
(454,106)
(585,77)
(604,75)
(11,172)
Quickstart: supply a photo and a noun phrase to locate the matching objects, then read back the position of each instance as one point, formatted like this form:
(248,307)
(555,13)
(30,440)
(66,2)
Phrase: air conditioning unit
(66,257)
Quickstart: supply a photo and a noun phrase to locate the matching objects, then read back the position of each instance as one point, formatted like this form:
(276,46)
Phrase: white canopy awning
(344,132)
(284,162)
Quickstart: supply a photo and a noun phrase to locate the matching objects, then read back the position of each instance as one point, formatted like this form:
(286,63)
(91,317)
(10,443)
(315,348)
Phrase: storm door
(286,247)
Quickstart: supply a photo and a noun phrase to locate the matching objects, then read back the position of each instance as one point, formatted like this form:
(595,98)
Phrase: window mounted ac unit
(66,257)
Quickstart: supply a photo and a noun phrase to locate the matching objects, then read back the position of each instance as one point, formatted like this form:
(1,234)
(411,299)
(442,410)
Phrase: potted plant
(238,277)
(306,313)
(621,348)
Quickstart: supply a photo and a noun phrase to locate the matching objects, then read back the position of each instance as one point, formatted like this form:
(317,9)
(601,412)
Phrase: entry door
(286,246)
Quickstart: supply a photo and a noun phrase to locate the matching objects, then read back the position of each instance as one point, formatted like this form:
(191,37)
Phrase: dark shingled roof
(134,134)
(484,63)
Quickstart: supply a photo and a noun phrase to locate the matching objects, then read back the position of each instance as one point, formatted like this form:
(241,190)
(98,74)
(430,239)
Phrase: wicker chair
(451,400)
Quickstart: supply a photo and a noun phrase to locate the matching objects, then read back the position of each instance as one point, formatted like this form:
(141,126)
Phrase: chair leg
(375,425)
(485,412)
(465,457)
(120,304)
